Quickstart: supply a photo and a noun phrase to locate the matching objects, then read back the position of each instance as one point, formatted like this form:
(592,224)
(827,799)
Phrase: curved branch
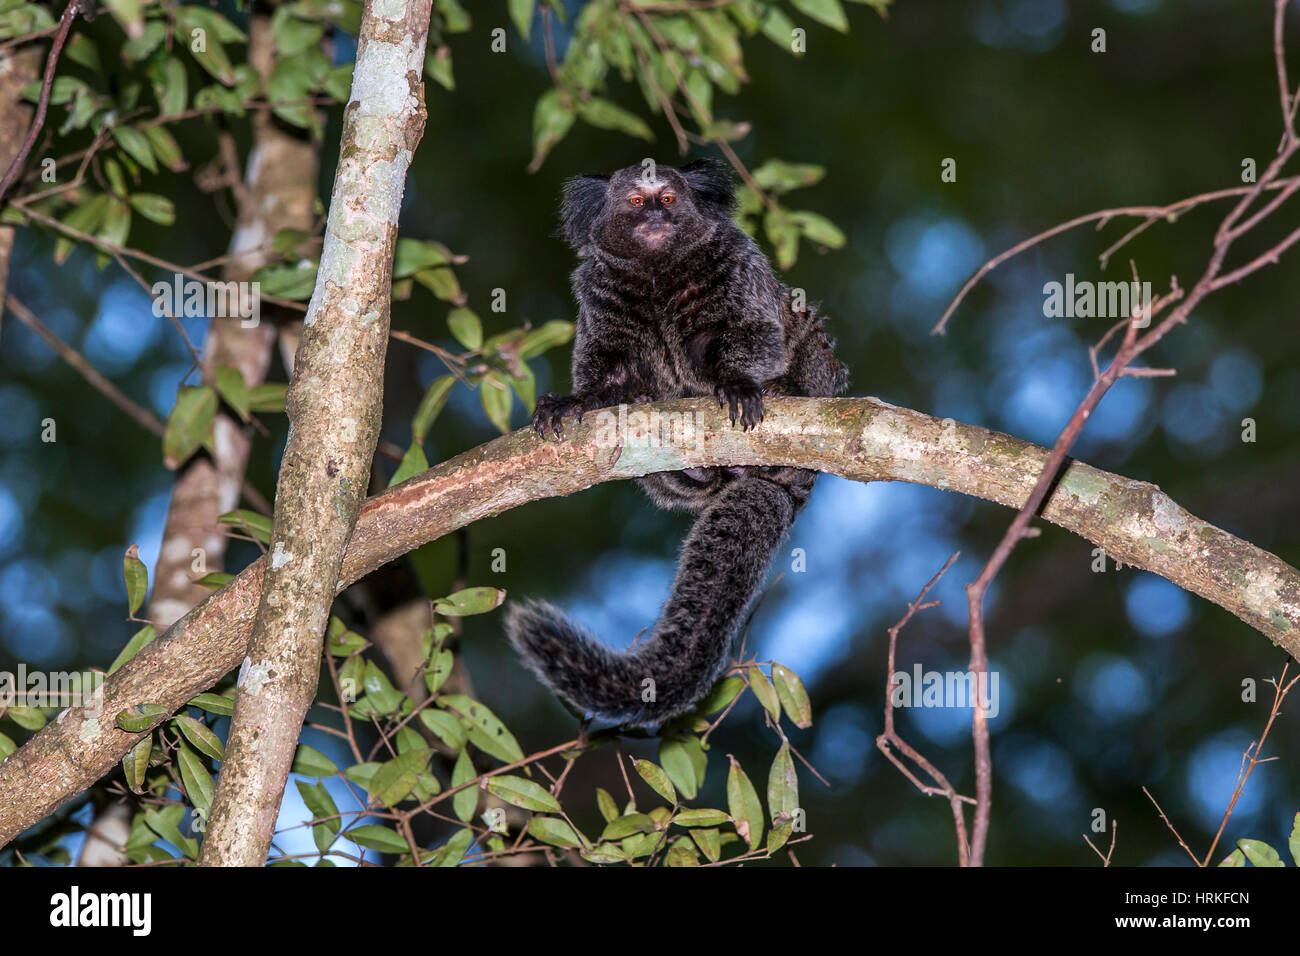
(858,438)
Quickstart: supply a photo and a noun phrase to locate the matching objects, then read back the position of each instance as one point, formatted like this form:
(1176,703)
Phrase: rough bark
(280,186)
(17,69)
(858,438)
(334,405)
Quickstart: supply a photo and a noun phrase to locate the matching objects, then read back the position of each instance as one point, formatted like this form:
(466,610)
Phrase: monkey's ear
(580,204)
(712,186)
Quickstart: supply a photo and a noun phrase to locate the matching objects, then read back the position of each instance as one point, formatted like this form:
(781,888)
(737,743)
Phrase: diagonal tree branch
(858,438)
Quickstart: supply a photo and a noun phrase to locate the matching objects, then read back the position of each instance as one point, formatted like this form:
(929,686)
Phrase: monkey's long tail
(724,560)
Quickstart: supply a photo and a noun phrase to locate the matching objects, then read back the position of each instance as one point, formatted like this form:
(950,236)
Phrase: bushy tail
(724,560)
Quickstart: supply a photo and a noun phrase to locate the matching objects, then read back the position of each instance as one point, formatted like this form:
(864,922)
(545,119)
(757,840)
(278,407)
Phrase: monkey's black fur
(675,300)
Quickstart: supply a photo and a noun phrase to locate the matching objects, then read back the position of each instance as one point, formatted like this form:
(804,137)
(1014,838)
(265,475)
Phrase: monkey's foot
(552,408)
(744,399)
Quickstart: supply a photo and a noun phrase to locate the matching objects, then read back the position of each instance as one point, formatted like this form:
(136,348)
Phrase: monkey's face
(645,217)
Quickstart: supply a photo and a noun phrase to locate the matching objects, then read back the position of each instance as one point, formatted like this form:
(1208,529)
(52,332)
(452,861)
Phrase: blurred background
(1108,681)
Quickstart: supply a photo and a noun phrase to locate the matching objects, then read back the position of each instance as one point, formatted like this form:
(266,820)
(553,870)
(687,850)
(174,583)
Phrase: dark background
(1108,682)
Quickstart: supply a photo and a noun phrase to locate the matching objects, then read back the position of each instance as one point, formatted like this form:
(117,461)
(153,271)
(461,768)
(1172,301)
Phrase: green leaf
(136,145)
(627,825)
(136,576)
(723,693)
(552,120)
(466,327)
(607,115)
(765,692)
(394,780)
(778,176)
(205,45)
(782,785)
(138,719)
(141,44)
(438,669)
(1235,858)
(164,823)
(710,843)
(268,397)
(656,779)
(470,601)
(293,36)
(1294,842)
(445,727)
(793,696)
(375,837)
(338,82)
(201,736)
(742,802)
(80,49)
(554,831)
(819,229)
(441,282)
(413,462)
(465,802)
(497,400)
(7,746)
(521,14)
(117,222)
(295,282)
(453,851)
(608,808)
(454,17)
(85,218)
(380,692)
(323,809)
(685,761)
(605,853)
(128,13)
(828,12)
(779,835)
(784,236)
(435,397)
(217,704)
(134,764)
(437,67)
(520,792)
(1259,853)
(553,333)
(700,818)
(255,525)
(485,730)
(153,207)
(230,383)
(28,718)
(189,425)
(198,782)
(310,762)
(170,85)
(417,255)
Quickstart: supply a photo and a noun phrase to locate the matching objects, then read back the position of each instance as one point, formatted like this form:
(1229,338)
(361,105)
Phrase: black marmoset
(674,301)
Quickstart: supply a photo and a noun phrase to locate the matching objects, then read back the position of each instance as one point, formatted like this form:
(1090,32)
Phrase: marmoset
(675,300)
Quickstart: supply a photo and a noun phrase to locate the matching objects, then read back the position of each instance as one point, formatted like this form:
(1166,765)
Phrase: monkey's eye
(636,201)
(668,199)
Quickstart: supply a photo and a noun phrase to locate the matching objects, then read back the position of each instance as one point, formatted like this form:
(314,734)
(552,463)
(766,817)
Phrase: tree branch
(863,439)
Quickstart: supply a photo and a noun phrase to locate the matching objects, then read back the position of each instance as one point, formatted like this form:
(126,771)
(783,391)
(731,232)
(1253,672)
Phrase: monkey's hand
(743,397)
(552,408)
